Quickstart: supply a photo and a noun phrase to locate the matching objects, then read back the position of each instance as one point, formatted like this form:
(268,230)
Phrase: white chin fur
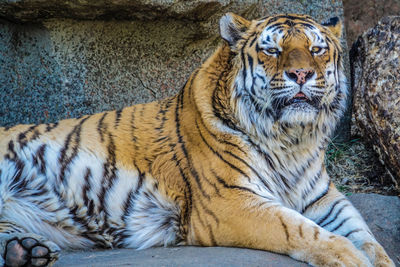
(296,115)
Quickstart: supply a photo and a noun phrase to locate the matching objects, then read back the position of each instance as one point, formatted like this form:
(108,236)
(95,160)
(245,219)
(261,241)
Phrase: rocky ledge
(33,10)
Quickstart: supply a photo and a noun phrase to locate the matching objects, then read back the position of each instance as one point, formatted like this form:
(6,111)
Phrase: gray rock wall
(61,59)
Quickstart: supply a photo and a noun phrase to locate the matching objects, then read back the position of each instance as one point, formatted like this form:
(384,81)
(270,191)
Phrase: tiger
(235,159)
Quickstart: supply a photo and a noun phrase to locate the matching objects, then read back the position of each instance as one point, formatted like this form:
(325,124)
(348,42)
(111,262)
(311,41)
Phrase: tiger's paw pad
(29,251)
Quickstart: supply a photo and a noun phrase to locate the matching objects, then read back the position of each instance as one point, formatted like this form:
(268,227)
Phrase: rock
(38,10)
(178,256)
(68,58)
(362,15)
(382,214)
(375,70)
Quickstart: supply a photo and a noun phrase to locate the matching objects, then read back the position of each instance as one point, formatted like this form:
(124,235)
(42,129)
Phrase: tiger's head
(288,73)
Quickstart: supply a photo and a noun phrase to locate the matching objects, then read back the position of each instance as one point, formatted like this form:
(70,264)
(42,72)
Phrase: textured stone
(376,76)
(382,214)
(362,15)
(76,57)
(178,256)
(38,10)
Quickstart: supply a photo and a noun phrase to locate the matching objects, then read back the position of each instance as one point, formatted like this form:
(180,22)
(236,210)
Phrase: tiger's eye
(272,50)
(316,49)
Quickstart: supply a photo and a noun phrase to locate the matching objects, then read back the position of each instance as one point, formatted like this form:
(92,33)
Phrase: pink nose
(300,76)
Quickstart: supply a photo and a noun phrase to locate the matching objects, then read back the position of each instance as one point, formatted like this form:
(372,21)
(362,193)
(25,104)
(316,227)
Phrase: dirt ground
(355,168)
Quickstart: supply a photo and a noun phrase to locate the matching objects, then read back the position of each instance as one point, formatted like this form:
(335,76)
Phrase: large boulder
(375,63)
(67,58)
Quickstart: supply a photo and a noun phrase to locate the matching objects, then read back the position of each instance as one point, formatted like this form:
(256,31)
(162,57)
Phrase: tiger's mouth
(299,98)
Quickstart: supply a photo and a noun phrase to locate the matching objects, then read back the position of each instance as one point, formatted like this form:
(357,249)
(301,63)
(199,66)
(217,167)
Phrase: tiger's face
(288,69)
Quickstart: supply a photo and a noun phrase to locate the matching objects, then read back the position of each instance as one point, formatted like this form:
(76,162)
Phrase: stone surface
(362,15)
(54,65)
(376,76)
(179,256)
(382,214)
(39,10)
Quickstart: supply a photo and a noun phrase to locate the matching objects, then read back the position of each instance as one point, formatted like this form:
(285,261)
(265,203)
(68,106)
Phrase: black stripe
(11,151)
(212,238)
(204,178)
(196,211)
(316,199)
(51,126)
(109,176)
(85,190)
(39,158)
(22,138)
(340,224)
(219,155)
(241,188)
(311,183)
(217,104)
(252,41)
(352,232)
(140,181)
(183,175)
(128,207)
(64,160)
(128,203)
(101,127)
(320,221)
(244,59)
(220,140)
(193,171)
(118,114)
(292,17)
(230,153)
(336,215)
(208,211)
(16,180)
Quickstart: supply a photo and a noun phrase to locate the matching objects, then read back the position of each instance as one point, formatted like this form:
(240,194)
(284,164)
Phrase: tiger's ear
(232,27)
(335,26)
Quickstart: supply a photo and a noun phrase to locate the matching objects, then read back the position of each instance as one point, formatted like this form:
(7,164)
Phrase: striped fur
(235,159)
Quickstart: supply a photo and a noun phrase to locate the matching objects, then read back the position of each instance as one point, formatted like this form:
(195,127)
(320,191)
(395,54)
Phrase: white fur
(51,218)
(154,220)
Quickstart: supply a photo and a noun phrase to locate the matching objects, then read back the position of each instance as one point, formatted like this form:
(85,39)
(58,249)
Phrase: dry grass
(354,167)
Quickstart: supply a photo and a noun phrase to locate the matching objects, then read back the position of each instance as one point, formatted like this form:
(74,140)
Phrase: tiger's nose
(300,76)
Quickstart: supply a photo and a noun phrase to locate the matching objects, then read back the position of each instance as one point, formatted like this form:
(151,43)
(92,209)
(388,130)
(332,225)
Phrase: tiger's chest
(288,178)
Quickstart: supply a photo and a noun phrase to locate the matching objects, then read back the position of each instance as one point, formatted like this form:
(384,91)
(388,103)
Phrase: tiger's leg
(18,248)
(246,220)
(336,214)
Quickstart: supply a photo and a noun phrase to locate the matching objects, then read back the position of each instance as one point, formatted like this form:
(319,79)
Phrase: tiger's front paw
(377,254)
(29,250)
(338,251)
